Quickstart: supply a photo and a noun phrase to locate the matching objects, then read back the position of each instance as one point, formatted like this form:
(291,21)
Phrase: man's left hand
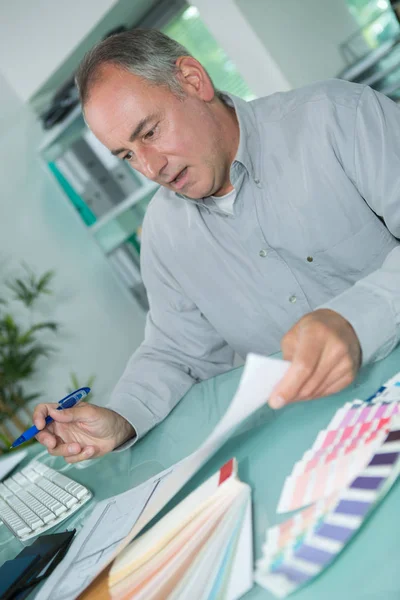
(325,354)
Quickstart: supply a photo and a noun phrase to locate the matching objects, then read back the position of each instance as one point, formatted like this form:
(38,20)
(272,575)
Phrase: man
(268,230)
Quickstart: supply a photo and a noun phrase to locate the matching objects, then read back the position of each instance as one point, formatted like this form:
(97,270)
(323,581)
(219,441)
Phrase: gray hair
(147,53)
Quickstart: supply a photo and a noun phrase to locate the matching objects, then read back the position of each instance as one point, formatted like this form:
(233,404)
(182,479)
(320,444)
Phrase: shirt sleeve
(180,348)
(372,305)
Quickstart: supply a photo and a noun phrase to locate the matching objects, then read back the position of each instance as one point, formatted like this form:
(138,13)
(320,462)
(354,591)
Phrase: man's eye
(128,156)
(151,133)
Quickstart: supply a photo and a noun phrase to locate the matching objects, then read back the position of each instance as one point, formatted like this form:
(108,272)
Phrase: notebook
(201,549)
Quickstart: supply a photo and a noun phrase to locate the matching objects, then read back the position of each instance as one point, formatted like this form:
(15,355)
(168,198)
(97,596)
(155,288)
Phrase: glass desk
(266,447)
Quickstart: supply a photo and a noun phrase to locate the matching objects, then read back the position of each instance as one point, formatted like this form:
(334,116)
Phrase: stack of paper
(202,549)
(347,472)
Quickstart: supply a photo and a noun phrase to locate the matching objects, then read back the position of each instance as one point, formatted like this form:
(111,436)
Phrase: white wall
(101,323)
(302,36)
(36,36)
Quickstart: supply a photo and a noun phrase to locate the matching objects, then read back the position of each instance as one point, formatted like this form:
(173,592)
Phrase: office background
(274,44)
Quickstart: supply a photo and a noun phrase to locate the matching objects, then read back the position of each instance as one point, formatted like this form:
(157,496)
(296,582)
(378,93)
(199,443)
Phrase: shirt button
(292,299)
(263,253)
(256,180)
(310,258)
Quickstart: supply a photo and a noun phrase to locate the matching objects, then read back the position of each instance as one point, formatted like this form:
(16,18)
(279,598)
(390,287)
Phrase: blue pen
(67,402)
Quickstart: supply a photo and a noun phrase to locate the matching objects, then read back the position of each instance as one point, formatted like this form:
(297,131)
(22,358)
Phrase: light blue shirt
(313,170)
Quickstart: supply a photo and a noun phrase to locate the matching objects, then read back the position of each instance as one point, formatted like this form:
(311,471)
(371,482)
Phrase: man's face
(173,141)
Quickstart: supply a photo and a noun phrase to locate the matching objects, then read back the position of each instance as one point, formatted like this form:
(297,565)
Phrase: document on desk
(10,461)
(94,546)
(118,520)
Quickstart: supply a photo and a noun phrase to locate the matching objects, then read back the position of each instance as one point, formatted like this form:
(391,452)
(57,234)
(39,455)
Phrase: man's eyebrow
(136,132)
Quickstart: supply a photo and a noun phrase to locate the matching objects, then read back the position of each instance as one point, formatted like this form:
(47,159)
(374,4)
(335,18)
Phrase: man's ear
(194,78)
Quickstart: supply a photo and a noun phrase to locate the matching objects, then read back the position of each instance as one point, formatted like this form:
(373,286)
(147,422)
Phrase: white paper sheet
(259,377)
(9,461)
(128,513)
(109,523)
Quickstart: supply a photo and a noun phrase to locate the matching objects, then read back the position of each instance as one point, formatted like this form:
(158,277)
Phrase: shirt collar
(248,144)
(247,132)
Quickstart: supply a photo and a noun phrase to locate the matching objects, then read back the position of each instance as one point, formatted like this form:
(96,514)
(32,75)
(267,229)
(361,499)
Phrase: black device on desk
(33,564)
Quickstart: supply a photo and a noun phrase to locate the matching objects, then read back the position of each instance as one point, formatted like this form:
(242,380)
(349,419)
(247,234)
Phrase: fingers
(339,385)
(333,385)
(325,354)
(82,412)
(85,454)
(65,449)
(305,361)
(72,451)
(41,412)
(47,439)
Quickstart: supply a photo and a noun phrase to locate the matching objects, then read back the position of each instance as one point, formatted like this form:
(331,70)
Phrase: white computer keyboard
(37,498)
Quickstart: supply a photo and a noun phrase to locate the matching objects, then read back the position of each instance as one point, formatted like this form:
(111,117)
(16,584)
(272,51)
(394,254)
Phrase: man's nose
(152,163)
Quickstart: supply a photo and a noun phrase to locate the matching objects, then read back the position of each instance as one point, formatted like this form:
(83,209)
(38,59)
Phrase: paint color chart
(345,474)
(338,453)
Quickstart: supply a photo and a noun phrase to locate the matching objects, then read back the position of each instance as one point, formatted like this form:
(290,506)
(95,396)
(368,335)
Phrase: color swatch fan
(202,549)
(347,472)
(339,452)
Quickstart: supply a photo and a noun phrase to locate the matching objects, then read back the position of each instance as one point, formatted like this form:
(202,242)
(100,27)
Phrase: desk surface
(266,448)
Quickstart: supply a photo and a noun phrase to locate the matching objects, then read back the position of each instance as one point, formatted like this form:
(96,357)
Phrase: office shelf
(109,196)
(53,134)
(130,201)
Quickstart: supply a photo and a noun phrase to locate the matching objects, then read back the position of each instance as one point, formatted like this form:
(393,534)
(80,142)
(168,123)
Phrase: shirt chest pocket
(354,257)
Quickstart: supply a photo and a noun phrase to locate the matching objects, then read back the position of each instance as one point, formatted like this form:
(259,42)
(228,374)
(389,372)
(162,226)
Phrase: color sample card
(279,536)
(323,481)
(285,567)
(338,453)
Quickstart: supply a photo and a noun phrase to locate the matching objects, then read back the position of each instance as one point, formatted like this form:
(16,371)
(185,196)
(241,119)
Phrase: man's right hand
(82,432)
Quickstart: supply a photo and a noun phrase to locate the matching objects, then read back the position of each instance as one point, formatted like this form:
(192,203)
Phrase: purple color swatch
(292,573)
(393,436)
(348,418)
(388,458)
(367,483)
(352,507)
(381,411)
(314,555)
(334,532)
(362,417)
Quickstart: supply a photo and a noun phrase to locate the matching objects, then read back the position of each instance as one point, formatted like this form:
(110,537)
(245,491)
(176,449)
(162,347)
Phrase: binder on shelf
(68,173)
(121,173)
(61,173)
(96,170)
(91,192)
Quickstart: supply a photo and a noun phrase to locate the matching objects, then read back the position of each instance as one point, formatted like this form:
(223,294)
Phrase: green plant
(21,347)
(76,384)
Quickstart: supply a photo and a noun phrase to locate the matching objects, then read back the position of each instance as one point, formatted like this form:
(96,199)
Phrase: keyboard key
(56,492)
(40,509)
(12,485)
(53,504)
(4,491)
(25,513)
(38,498)
(76,489)
(31,474)
(40,467)
(11,518)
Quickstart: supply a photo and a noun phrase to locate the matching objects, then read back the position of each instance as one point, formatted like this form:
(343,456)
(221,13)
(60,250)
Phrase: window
(376,19)
(183,23)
